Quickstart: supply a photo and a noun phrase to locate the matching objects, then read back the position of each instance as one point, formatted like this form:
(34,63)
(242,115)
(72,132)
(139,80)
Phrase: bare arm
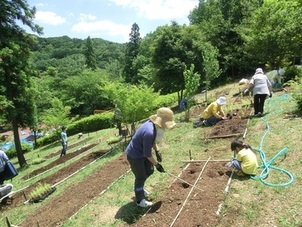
(152,160)
(155,147)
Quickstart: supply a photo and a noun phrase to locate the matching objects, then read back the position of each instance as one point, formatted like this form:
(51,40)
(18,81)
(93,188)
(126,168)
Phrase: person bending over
(245,160)
(214,112)
(139,151)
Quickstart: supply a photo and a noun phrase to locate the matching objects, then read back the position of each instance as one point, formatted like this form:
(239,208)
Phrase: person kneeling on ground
(214,113)
(246,161)
(139,151)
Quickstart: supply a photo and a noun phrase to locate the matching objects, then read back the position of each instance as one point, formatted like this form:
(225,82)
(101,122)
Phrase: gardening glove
(246,91)
(158,156)
(270,95)
(160,168)
(229,164)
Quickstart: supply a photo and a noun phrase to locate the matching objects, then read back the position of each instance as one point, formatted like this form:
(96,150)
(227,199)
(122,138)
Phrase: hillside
(66,53)
(189,153)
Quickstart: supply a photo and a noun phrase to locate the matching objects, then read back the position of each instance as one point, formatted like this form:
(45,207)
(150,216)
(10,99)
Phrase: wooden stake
(8,222)
(192,161)
(225,136)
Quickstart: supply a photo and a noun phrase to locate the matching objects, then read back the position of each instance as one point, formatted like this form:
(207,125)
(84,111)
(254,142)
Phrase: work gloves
(158,156)
(229,164)
(160,168)
(270,95)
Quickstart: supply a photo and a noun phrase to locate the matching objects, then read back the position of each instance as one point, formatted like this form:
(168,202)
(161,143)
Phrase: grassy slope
(248,202)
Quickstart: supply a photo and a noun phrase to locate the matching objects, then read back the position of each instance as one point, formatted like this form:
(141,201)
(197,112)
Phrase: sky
(108,19)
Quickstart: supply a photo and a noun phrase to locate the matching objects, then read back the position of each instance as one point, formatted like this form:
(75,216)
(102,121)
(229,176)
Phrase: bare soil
(185,205)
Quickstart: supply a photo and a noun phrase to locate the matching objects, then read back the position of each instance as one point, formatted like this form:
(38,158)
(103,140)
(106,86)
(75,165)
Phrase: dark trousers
(64,149)
(1,178)
(142,169)
(259,100)
(212,121)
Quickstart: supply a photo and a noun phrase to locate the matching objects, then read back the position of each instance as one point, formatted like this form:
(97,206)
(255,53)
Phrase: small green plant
(40,192)
(114,139)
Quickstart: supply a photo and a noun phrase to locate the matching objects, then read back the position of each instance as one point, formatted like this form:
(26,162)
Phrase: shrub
(292,73)
(11,153)
(88,124)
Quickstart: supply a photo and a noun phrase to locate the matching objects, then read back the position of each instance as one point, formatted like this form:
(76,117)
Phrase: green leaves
(135,102)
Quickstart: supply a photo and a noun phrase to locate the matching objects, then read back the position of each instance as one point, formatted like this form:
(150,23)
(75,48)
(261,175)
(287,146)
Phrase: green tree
(273,35)
(15,87)
(218,21)
(211,66)
(57,115)
(169,59)
(136,102)
(90,55)
(175,48)
(132,49)
(192,80)
(81,92)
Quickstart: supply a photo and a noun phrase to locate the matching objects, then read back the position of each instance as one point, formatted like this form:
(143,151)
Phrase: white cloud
(87,17)
(99,28)
(40,4)
(160,9)
(50,18)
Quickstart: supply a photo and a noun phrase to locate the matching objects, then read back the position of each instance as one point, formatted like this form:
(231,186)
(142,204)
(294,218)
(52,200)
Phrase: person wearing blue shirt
(139,151)
(63,141)
(3,160)
(5,189)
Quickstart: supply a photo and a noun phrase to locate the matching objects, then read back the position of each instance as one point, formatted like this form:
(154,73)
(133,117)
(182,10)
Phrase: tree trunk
(21,159)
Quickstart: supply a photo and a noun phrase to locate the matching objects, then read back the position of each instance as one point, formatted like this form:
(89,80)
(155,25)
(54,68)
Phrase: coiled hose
(267,165)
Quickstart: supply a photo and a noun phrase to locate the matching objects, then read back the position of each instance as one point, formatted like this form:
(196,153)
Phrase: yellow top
(248,160)
(213,110)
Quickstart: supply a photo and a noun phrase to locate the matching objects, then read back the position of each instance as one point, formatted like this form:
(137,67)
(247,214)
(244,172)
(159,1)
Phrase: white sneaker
(146,193)
(144,203)
(5,189)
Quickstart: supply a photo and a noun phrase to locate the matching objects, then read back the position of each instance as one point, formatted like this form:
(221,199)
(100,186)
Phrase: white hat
(259,70)
(221,100)
(163,118)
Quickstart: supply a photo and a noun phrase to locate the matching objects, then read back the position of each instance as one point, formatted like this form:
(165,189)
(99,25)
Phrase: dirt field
(182,204)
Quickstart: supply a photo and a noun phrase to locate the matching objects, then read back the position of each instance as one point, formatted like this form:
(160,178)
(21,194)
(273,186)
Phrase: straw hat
(259,70)
(221,100)
(163,118)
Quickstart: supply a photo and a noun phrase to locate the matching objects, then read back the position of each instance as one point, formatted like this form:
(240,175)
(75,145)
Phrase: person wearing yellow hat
(139,151)
(214,112)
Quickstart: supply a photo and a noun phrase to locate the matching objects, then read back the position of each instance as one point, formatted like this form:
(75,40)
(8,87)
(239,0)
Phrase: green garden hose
(267,165)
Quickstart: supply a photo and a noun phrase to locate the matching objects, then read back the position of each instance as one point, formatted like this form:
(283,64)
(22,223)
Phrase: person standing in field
(64,141)
(118,119)
(139,151)
(262,88)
